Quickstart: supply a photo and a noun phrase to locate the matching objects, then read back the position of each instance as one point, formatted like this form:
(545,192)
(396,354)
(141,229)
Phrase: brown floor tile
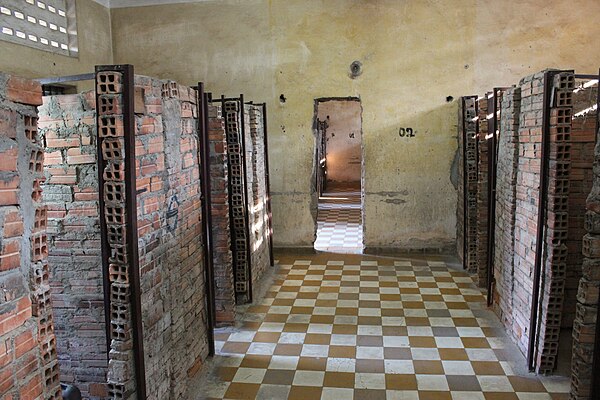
(450,291)
(293,327)
(369,394)
(317,338)
(326,303)
(560,396)
(432,297)
(390,297)
(342,351)
(422,341)
(305,393)
(250,325)
(475,343)
(312,364)
(445,332)
(283,302)
(462,322)
(417,321)
(370,366)
(345,329)
(433,395)
(348,296)
(279,377)
(222,336)
(500,396)
(339,379)
(369,321)
(395,331)
(236,347)
(302,310)
(392,312)
(526,384)
(352,311)
(400,382)
(276,318)
(457,305)
(432,367)
(413,304)
(266,337)
(226,374)
(242,391)
(487,368)
(258,309)
(288,349)
(397,353)
(329,289)
(307,295)
(367,340)
(256,361)
(453,354)
(322,319)
(463,383)
(369,304)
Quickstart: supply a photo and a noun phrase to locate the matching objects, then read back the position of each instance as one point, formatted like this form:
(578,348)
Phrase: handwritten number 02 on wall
(406,132)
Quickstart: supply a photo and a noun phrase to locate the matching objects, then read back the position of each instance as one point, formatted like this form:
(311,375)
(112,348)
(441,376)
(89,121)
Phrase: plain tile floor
(336,326)
(339,220)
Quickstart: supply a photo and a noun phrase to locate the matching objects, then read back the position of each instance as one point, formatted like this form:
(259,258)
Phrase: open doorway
(339,175)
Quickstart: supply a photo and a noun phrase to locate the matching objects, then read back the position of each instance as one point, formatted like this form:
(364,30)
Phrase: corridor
(359,327)
(339,220)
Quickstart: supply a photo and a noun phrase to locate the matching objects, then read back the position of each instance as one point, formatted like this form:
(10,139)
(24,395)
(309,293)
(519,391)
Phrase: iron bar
(268,184)
(542,200)
(68,78)
(245,173)
(205,198)
(595,391)
(465,183)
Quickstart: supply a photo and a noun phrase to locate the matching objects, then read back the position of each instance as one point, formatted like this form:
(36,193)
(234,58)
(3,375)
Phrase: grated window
(48,25)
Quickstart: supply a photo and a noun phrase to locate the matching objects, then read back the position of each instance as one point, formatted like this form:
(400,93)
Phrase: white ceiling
(141,3)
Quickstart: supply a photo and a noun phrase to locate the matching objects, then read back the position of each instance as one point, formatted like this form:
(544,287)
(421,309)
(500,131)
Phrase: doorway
(339,178)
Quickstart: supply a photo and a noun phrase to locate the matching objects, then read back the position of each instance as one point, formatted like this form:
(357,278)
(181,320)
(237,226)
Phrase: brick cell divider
(115,99)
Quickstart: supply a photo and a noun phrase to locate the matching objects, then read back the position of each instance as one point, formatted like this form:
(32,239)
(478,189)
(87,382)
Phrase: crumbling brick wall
(68,126)
(508,141)
(170,236)
(257,196)
(219,181)
(28,365)
(583,139)
(588,294)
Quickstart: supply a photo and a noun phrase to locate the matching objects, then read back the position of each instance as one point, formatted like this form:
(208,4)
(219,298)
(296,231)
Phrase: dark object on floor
(70,392)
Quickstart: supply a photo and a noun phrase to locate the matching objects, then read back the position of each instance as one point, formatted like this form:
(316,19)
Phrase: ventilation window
(45,25)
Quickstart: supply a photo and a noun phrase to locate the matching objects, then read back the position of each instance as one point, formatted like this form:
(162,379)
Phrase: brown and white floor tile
(356,327)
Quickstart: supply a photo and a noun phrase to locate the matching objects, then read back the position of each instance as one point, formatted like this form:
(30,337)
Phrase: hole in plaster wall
(282,98)
(355,69)
(449,99)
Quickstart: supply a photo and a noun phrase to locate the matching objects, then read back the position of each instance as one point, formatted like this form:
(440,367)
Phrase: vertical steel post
(268,184)
(205,197)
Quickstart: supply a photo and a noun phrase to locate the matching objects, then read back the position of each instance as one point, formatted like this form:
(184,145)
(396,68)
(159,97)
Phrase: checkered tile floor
(339,221)
(340,327)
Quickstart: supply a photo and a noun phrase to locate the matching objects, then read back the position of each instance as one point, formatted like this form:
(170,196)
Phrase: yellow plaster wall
(414,54)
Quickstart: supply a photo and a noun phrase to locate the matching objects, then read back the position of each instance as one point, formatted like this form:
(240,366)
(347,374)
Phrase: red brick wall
(28,365)
(224,289)
(169,236)
(68,126)
(505,204)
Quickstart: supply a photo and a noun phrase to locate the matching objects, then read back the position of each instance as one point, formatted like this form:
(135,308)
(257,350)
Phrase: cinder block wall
(68,126)
(219,181)
(169,235)
(28,365)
